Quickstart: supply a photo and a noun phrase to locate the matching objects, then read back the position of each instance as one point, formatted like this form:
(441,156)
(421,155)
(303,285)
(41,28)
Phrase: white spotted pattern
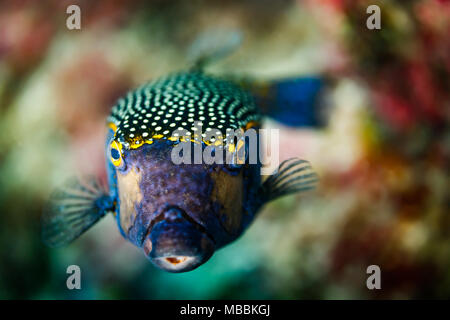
(177,101)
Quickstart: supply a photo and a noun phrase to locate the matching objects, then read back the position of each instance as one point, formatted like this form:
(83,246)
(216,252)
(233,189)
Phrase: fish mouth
(176,243)
(178,263)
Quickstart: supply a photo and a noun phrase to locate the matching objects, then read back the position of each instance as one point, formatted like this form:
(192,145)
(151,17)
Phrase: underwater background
(381,147)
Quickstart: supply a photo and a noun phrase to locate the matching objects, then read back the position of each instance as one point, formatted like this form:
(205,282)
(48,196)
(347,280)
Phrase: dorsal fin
(212,45)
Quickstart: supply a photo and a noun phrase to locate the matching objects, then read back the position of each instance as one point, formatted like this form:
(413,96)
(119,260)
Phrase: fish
(178,214)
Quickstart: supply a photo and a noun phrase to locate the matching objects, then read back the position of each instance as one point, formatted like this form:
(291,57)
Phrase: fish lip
(160,217)
(197,262)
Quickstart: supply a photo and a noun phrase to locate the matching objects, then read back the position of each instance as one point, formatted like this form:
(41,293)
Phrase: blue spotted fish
(178,214)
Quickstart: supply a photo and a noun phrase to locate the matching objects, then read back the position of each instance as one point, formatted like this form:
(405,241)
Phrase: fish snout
(178,244)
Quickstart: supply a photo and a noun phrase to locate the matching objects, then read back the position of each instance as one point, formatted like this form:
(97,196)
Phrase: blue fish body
(179,214)
(211,204)
(299,98)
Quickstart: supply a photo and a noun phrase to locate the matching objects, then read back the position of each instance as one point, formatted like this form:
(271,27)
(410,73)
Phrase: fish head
(176,213)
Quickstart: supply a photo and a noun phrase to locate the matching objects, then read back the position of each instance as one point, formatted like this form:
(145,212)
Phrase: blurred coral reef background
(383,153)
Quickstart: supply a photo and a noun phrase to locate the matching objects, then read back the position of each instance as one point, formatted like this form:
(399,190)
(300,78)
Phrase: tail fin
(72,210)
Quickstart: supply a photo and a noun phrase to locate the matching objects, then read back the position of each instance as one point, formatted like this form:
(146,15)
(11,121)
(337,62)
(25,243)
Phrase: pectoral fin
(72,210)
(293,176)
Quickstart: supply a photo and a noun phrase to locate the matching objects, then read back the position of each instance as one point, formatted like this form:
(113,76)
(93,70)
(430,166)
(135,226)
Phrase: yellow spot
(139,141)
(251,124)
(112,126)
(136,142)
(239,147)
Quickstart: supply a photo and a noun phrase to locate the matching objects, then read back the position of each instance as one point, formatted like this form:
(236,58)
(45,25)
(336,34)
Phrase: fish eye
(115,153)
